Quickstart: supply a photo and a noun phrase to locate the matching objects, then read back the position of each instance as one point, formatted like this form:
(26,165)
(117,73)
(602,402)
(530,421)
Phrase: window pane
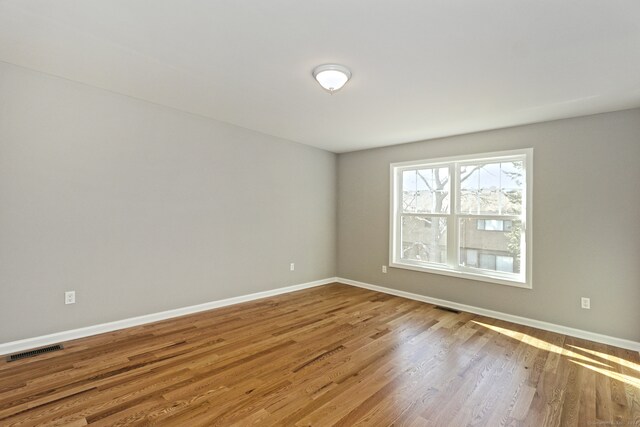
(512,174)
(487,261)
(512,183)
(491,244)
(426,190)
(511,201)
(424,239)
(471,257)
(493,225)
(469,201)
(409,191)
(504,263)
(491,188)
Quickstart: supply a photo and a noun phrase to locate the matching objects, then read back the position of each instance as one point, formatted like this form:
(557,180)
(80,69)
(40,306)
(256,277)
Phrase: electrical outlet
(292,266)
(586,303)
(70,297)
(384,269)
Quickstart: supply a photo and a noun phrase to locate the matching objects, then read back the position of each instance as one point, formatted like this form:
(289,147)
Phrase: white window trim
(525,280)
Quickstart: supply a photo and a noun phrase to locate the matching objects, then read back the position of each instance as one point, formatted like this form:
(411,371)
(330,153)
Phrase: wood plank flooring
(332,355)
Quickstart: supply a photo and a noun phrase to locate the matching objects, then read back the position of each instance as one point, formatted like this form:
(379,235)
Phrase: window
(465,216)
(494,225)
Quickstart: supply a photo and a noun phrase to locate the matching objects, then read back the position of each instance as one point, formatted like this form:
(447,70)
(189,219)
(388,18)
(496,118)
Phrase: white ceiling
(421,68)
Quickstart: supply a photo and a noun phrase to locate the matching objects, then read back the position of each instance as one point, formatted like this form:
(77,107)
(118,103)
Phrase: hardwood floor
(332,355)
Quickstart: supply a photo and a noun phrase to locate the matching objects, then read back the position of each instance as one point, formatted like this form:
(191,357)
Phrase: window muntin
(466,216)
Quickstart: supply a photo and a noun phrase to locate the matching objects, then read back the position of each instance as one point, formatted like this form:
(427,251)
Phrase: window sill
(464,275)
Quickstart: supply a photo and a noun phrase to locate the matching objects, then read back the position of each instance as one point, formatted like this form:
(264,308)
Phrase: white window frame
(452,268)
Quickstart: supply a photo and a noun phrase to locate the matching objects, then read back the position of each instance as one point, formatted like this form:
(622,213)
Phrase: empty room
(293,213)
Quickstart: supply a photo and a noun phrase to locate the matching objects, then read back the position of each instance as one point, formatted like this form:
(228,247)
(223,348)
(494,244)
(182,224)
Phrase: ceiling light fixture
(331,76)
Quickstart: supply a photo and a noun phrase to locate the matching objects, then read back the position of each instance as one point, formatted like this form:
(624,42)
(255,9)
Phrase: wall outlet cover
(70,297)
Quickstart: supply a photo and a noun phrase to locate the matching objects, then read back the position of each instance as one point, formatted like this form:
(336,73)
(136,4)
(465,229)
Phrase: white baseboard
(44,340)
(30,343)
(578,333)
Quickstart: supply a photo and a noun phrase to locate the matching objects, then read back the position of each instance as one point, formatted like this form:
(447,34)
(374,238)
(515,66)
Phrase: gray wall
(586,222)
(141,208)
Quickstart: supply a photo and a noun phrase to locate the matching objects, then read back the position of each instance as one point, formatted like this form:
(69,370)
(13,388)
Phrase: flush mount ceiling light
(331,76)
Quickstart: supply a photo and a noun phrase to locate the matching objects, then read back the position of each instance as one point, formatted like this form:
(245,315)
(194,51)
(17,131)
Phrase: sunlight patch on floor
(609,357)
(541,344)
(627,379)
(577,358)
